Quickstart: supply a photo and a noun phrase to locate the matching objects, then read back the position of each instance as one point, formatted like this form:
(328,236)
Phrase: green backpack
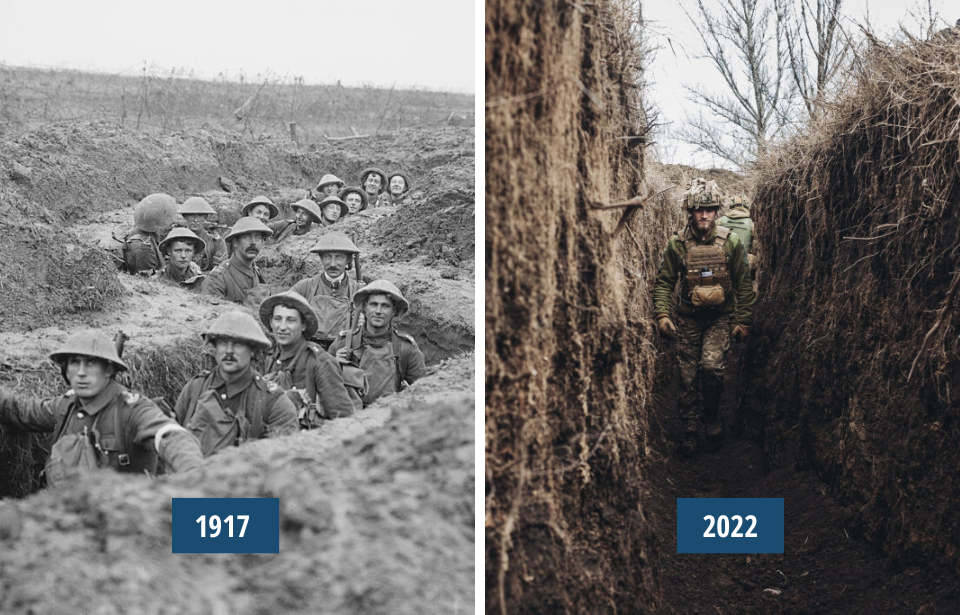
(742,227)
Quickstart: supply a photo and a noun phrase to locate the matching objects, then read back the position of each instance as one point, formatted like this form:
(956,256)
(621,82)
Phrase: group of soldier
(709,266)
(334,349)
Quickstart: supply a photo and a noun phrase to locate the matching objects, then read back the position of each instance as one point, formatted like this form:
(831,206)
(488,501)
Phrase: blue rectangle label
(226,525)
(729,525)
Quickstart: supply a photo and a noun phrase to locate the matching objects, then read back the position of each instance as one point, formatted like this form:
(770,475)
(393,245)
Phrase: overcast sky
(675,63)
(426,43)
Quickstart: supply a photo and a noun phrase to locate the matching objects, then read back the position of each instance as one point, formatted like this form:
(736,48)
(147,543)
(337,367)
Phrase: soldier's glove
(741,332)
(666,326)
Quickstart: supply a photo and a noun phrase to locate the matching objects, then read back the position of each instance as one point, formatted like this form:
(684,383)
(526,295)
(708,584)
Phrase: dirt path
(826,567)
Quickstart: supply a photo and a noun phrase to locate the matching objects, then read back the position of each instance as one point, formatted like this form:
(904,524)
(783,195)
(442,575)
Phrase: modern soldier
(391,360)
(153,217)
(306,214)
(234,278)
(181,269)
(715,295)
(355,198)
(260,208)
(98,423)
(233,403)
(302,367)
(737,219)
(374,183)
(195,211)
(330,291)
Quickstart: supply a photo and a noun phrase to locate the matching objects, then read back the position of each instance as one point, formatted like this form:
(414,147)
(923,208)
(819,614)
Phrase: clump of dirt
(859,227)
(568,354)
(381,524)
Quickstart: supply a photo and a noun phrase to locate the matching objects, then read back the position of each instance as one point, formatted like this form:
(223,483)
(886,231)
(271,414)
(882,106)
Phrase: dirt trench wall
(854,361)
(568,359)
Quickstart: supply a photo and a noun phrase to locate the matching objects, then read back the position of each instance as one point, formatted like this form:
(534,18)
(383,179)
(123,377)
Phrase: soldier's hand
(741,332)
(343,355)
(666,326)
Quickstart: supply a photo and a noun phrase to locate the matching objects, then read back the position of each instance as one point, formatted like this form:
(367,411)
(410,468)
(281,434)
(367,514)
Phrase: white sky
(424,43)
(675,65)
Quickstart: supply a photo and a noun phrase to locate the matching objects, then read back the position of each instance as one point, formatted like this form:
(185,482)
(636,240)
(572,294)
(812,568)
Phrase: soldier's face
(331,211)
(302,218)
(372,183)
(88,376)
(249,245)
(703,218)
(232,356)
(181,253)
(287,325)
(334,263)
(261,213)
(353,201)
(397,185)
(194,222)
(330,190)
(379,311)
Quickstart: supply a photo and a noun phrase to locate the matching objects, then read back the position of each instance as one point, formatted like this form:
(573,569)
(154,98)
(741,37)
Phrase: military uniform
(286,228)
(191,279)
(391,361)
(232,280)
(221,414)
(703,331)
(214,252)
(330,300)
(738,220)
(130,431)
(309,368)
(142,252)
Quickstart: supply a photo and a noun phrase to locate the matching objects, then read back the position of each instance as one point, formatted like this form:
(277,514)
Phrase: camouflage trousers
(702,345)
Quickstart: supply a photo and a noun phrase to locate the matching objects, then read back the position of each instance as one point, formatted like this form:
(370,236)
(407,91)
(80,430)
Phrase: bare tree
(816,46)
(745,42)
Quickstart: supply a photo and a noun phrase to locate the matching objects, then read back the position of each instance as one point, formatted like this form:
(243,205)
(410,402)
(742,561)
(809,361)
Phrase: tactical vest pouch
(71,454)
(707,277)
(707,296)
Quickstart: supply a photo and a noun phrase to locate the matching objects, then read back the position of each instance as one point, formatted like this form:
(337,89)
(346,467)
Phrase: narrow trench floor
(824,569)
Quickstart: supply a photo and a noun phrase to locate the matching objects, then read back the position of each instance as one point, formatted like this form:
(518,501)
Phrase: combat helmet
(740,200)
(382,287)
(335,241)
(196,205)
(383,177)
(702,193)
(406,181)
(355,190)
(329,178)
(295,301)
(247,224)
(309,206)
(344,209)
(155,212)
(90,343)
(260,200)
(238,326)
(183,234)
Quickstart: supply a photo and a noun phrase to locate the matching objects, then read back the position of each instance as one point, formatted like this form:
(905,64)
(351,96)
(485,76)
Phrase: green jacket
(672,267)
(738,220)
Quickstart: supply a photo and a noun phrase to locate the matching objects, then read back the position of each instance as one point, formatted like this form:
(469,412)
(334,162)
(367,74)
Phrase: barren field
(376,510)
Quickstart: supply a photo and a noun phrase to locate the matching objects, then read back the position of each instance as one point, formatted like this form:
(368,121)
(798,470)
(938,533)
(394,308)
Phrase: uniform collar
(237,261)
(293,350)
(333,283)
(98,402)
(235,386)
(708,239)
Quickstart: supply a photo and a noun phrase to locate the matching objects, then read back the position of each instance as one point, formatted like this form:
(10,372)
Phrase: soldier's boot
(690,442)
(712,387)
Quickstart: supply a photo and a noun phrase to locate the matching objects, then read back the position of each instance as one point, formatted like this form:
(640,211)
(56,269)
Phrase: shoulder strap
(62,423)
(395,339)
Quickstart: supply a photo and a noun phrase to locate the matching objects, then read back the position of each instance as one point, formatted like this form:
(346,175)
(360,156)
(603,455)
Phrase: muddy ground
(376,510)
(827,565)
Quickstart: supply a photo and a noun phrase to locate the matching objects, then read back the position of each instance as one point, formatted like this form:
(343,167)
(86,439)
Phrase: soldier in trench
(98,423)
(714,302)
(235,277)
(181,269)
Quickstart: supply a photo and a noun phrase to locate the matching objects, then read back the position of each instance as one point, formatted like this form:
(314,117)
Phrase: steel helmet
(702,193)
(247,224)
(155,212)
(196,205)
(335,241)
(344,210)
(260,200)
(295,301)
(90,343)
(355,190)
(406,181)
(368,171)
(329,178)
(382,287)
(183,234)
(238,326)
(310,207)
